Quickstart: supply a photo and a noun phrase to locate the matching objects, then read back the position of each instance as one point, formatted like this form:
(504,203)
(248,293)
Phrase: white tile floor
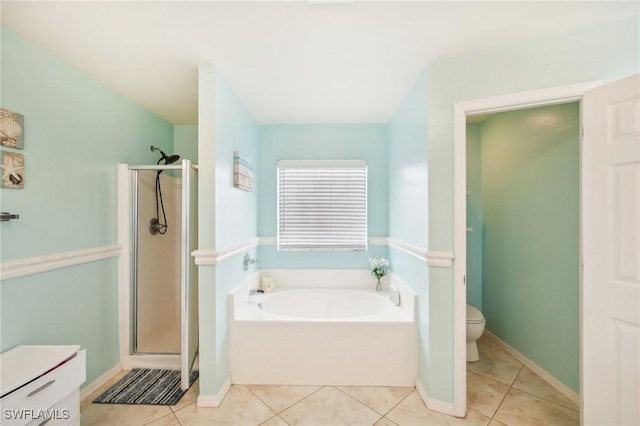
(500,392)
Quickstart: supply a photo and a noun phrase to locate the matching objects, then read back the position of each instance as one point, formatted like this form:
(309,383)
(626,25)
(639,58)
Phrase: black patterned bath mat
(146,386)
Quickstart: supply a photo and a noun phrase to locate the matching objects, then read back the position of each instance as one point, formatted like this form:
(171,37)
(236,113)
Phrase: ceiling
(288,61)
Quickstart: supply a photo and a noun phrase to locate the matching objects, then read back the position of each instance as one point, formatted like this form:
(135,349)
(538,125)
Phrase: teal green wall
(71,306)
(185,142)
(236,212)
(76,133)
(225,126)
(407,156)
(235,130)
(474,217)
(607,52)
(530,201)
(322,142)
(408,207)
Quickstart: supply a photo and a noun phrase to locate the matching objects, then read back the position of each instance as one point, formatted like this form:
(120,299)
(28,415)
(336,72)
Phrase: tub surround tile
(329,406)
(484,395)
(378,398)
(412,411)
(521,408)
(122,414)
(495,363)
(239,407)
(279,398)
(530,382)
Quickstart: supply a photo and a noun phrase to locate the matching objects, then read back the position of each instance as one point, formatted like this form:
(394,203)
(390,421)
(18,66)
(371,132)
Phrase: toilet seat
(474,316)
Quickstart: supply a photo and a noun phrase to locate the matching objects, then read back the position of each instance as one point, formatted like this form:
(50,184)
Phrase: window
(322,205)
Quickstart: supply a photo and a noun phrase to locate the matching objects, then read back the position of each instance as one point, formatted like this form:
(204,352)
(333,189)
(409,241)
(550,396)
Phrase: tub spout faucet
(246,261)
(253,292)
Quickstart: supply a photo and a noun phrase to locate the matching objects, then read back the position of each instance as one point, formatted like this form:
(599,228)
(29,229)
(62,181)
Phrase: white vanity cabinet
(40,385)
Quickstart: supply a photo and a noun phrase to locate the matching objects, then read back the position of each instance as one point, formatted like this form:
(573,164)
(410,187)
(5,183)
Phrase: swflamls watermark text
(31,414)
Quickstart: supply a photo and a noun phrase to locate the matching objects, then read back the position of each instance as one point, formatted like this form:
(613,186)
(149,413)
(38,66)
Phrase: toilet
(475,327)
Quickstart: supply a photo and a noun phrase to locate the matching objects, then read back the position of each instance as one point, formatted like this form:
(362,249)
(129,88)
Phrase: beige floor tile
(521,408)
(170,420)
(121,414)
(279,398)
(412,411)
(378,398)
(274,421)
(484,395)
(530,382)
(239,407)
(474,418)
(188,398)
(88,400)
(495,363)
(385,422)
(329,406)
(531,401)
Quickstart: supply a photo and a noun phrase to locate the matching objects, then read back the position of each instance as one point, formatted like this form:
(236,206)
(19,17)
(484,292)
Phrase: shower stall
(158,275)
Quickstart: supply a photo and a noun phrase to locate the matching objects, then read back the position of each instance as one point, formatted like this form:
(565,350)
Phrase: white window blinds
(322,205)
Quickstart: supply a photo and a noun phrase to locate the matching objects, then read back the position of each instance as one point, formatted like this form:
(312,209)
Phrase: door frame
(510,102)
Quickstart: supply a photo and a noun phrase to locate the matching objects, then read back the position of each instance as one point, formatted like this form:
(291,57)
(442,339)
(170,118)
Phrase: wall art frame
(242,172)
(12,164)
(11,129)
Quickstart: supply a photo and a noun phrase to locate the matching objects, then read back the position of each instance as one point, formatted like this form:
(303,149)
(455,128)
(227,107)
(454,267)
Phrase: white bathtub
(299,336)
(326,304)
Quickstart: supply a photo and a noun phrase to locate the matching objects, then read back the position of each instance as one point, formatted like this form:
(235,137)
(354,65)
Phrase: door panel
(611,254)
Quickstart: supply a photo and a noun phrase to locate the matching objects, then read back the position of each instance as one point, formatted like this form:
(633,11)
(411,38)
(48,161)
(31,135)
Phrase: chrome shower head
(171,159)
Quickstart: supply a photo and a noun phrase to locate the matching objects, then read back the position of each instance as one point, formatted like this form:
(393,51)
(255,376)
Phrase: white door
(611,254)
(189,293)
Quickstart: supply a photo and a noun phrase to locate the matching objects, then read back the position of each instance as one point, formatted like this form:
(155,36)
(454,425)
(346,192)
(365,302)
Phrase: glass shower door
(189,280)
(156,268)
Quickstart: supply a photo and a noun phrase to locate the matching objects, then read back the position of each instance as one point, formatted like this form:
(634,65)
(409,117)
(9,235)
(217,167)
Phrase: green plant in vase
(379,268)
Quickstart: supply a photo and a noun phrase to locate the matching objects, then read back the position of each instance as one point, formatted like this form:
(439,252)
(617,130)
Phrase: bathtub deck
(374,350)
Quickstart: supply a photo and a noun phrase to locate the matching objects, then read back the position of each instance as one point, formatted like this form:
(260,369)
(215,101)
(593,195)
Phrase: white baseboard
(214,401)
(434,404)
(97,383)
(545,375)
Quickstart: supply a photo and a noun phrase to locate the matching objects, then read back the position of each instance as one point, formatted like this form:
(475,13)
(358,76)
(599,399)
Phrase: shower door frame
(127,211)
(133,307)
